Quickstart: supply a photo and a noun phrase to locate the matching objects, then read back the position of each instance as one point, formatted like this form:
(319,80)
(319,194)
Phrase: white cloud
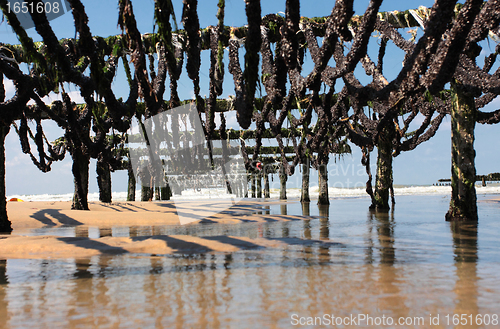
(51,97)
(10,89)
(231,120)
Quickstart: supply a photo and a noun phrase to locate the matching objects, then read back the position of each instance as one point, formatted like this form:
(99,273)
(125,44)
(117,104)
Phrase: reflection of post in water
(228,259)
(3,272)
(82,269)
(206,293)
(133,231)
(306,209)
(284,209)
(390,277)
(153,288)
(465,250)
(179,294)
(268,231)
(369,246)
(224,291)
(285,230)
(385,231)
(306,212)
(264,286)
(100,290)
(188,276)
(81,231)
(464,241)
(264,210)
(158,230)
(4,284)
(324,213)
(81,292)
(213,294)
(105,231)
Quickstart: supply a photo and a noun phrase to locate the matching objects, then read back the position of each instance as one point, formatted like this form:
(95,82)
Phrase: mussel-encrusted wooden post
(267,193)
(304,195)
(5,224)
(253,180)
(131,184)
(165,193)
(80,170)
(237,188)
(463,205)
(103,180)
(146,190)
(283,179)
(383,180)
(323,198)
(258,176)
(146,194)
(242,187)
(245,187)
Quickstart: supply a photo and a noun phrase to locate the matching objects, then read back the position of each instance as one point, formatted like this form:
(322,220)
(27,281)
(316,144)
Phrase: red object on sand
(16,200)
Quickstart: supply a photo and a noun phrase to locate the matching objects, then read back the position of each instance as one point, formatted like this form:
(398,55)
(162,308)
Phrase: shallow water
(407,265)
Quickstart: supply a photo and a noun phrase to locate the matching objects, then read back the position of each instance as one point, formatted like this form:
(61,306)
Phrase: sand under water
(261,263)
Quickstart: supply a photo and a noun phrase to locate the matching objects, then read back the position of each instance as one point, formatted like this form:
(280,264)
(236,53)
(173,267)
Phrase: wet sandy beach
(28,217)
(258,264)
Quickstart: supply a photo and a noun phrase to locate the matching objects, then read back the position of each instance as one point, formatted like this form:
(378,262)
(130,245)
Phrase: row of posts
(257,189)
(256,184)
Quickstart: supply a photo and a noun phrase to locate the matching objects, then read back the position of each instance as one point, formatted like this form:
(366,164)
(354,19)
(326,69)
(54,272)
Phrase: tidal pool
(343,262)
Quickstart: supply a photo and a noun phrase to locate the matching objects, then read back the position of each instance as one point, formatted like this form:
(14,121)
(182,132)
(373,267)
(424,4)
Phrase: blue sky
(425,165)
